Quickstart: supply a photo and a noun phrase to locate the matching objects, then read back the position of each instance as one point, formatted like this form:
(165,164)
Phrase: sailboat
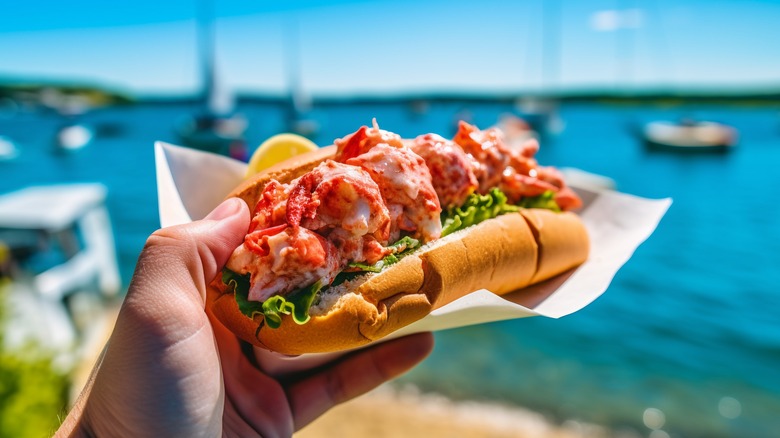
(73,132)
(688,134)
(216,127)
(299,103)
(541,112)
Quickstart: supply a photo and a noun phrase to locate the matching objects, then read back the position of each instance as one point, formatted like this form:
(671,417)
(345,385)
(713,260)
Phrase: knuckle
(336,389)
(166,242)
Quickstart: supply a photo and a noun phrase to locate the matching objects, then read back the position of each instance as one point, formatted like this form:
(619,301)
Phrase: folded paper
(191,183)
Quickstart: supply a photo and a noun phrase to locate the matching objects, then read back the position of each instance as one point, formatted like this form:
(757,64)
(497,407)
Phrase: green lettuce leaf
(240,286)
(296,303)
(405,245)
(476,209)
(362,267)
(546,200)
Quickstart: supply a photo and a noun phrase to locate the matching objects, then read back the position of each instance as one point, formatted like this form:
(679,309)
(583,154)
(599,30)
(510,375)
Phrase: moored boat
(216,127)
(8,150)
(214,133)
(689,136)
(73,136)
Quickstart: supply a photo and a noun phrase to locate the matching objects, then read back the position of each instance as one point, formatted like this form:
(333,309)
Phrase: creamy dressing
(358,218)
(394,169)
(278,245)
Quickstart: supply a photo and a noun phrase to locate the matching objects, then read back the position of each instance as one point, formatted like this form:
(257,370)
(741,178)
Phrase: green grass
(33,394)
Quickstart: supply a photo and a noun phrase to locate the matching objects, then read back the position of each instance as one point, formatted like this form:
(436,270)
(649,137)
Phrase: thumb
(161,353)
(189,256)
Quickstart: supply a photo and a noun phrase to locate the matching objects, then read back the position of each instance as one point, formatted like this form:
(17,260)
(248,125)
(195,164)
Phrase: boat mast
(551,66)
(205,30)
(626,46)
(551,45)
(297,101)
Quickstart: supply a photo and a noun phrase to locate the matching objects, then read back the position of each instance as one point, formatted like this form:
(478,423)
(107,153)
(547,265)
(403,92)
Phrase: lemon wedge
(276,149)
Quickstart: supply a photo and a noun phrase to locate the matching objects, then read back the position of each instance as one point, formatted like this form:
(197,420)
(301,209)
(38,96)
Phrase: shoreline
(392,411)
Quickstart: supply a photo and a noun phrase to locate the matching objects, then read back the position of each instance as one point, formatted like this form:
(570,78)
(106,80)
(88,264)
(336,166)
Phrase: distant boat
(73,136)
(216,128)
(689,136)
(542,112)
(298,115)
(542,115)
(213,133)
(8,150)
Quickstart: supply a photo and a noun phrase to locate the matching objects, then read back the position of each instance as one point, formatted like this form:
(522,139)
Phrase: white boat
(59,251)
(689,136)
(8,150)
(73,136)
(216,127)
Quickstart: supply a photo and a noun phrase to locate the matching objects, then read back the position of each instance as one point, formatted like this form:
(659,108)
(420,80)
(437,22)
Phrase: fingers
(355,375)
(191,254)
(255,403)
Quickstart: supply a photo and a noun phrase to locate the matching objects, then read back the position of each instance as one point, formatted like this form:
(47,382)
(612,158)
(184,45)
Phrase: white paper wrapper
(191,183)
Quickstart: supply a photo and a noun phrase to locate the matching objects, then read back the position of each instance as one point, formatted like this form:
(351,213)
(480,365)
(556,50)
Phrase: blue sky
(383,46)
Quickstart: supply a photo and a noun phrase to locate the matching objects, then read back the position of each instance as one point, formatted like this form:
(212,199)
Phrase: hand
(170,370)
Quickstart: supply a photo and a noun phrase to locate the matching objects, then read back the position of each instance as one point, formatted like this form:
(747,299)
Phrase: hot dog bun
(502,255)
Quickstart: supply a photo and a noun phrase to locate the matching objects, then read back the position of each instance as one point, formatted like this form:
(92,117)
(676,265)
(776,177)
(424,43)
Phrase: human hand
(171,370)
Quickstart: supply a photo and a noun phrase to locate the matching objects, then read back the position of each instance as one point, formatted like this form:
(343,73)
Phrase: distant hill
(46,92)
(54,94)
(649,97)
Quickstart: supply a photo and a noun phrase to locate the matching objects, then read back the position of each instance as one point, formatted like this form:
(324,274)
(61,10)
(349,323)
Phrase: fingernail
(226,209)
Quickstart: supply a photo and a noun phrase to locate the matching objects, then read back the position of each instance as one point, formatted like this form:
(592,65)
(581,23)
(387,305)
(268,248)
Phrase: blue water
(688,327)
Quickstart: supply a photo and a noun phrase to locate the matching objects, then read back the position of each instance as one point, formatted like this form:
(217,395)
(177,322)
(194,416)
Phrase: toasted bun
(502,255)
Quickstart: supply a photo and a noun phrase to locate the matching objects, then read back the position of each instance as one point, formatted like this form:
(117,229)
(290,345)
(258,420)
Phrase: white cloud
(612,19)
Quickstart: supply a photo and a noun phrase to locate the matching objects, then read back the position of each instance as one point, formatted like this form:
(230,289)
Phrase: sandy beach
(390,411)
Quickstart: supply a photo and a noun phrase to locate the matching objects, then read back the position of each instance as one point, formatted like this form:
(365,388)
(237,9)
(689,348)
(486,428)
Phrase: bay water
(687,338)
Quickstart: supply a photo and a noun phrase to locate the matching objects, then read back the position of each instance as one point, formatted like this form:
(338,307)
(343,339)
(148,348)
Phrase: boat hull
(691,149)
(689,138)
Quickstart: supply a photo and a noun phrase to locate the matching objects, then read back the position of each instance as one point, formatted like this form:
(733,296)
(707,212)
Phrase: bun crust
(563,241)
(503,254)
